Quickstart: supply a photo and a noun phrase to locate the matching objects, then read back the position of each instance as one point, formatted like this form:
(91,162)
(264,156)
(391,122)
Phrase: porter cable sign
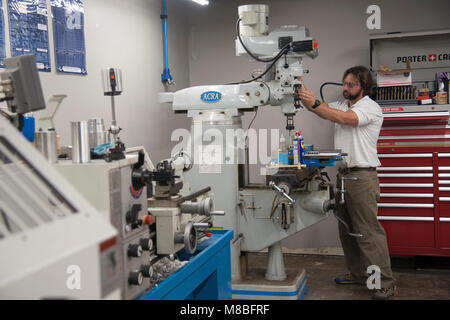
(432,57)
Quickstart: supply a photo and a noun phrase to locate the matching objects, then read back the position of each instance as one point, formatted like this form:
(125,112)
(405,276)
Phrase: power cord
(238,31)
(328,83)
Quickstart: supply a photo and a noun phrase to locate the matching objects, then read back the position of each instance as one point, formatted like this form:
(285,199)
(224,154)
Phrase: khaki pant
(360,212)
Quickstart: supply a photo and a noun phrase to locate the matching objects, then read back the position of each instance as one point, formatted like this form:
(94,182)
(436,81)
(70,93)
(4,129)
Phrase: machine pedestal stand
(275,263)
(255,285)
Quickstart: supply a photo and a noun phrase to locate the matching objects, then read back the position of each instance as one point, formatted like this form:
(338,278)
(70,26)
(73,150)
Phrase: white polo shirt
(360,142)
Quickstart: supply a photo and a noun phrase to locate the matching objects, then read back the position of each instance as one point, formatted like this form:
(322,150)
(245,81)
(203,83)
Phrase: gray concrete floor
(419,278)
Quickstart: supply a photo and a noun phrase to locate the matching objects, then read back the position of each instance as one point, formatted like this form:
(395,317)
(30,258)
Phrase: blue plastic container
(283,158)
(207,276)
(28,128)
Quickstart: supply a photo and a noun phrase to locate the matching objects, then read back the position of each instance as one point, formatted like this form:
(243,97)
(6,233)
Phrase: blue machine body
(317,162)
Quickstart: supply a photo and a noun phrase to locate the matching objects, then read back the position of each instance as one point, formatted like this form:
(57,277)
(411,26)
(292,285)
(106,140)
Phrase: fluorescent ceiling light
(202,2)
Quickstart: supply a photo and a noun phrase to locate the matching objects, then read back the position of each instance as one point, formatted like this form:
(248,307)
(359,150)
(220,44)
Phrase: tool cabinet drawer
(406,187)
(409,231)
(389,177)
(406,209)
(406,159)
(444,159)
(444,207)
(396,197)
(444,232)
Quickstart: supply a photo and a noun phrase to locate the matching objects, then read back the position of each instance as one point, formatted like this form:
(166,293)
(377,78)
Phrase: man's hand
(307,97)
(342,117)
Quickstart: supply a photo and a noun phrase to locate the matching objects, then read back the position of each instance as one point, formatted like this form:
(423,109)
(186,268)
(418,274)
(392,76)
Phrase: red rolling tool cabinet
(414,146)
(414,206)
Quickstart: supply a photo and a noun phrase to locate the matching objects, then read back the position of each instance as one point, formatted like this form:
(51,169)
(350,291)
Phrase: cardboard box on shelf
(386,77)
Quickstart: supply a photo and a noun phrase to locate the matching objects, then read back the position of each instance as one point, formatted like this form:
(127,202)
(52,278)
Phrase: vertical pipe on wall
(165,76)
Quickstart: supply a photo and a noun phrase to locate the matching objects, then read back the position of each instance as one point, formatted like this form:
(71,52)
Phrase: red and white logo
(432,57)
(392,109)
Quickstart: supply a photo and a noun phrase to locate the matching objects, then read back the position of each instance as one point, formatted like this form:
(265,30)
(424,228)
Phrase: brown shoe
(348,278)
(384,293)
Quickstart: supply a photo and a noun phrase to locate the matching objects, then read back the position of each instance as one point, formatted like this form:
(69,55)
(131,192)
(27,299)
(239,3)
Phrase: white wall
(340,29)
(128,35)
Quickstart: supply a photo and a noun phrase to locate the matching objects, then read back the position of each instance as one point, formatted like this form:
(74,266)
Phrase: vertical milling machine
(293,197)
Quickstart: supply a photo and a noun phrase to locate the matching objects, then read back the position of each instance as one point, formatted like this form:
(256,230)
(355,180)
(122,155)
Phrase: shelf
(393,35)
(387,109)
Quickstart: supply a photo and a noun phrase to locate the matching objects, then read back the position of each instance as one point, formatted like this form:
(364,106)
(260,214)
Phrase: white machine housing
(54,244)
(255,19)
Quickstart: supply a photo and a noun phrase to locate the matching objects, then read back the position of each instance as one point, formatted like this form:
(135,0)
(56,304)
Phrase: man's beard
(348,96)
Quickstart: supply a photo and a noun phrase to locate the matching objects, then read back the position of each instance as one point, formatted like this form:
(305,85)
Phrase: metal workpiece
(204,207)
(202,225)
(81,153)
(45,142)
(97,133)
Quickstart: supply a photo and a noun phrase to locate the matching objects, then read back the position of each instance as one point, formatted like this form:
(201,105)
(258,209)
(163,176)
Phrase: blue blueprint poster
(68,32)
(28,30)
(2,37)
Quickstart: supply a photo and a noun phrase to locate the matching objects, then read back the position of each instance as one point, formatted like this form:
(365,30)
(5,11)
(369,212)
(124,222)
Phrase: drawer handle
(411,155)
(444,181)
(444,175)
(406,205)
(444,199)
(415,137)
(443,155)
(444,219)
(406,195)
(417,114)
(406,175)
(407,185)
(444,188)
(392,218)
(405,169)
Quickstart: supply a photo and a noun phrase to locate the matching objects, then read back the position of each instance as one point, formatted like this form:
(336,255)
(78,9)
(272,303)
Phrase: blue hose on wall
(165,76)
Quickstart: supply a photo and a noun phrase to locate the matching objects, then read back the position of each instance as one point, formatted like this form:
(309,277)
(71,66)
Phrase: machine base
(255,287)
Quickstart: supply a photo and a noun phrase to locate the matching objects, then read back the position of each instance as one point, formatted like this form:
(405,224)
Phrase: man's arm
(325,111)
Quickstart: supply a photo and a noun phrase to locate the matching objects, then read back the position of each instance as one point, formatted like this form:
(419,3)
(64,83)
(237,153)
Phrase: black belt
(353,169)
